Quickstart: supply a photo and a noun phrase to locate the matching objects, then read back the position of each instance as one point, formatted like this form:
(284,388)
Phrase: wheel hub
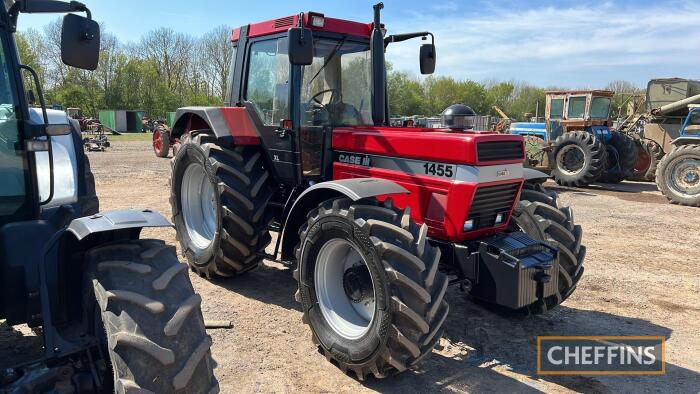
(571,159)
(199,208)
(357,283)
(344,288)
(685,176)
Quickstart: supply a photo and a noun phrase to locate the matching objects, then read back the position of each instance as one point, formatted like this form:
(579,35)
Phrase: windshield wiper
(328,59)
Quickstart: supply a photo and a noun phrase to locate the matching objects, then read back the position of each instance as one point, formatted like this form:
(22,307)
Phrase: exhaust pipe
(378,69)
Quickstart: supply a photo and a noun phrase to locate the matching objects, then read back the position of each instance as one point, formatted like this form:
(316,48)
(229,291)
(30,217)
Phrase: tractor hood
(442,145)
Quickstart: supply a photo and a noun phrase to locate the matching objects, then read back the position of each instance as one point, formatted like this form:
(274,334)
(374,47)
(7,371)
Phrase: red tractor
(375,221)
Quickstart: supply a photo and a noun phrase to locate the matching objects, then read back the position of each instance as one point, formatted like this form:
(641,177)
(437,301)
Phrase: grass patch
(131,137)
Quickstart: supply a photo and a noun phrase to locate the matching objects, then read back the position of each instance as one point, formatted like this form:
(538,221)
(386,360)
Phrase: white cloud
(546,44)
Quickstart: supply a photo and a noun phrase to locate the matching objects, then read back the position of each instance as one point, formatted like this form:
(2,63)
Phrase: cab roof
(281,25)
(594,92)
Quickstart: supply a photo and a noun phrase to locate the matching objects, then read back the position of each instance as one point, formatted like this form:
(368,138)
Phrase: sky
(572,44)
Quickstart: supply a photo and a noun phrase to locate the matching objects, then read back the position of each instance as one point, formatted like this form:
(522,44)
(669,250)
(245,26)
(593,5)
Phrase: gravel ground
(642,278)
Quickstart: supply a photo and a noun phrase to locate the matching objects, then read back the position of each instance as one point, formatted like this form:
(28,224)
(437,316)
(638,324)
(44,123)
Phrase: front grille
(499,150)
(489,201)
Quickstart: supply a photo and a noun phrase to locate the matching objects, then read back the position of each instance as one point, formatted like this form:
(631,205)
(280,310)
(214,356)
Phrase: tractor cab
(578,110)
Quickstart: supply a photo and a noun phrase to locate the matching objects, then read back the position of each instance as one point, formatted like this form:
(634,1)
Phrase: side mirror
(80,42)
(301,46)
(427,59)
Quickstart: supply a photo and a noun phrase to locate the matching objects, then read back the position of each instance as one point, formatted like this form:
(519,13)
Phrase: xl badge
(503,172)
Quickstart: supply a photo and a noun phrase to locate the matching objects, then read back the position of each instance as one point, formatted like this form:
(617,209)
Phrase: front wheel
(678,175)
(151,318)
(538,215)
(370,287)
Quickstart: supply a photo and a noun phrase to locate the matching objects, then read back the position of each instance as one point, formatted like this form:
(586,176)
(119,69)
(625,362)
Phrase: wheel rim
(157,141)
(571,159)
(198,206)
(344,288)
(684,177)
(643,163)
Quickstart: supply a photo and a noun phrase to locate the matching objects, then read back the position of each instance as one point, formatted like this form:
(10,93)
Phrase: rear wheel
(151,317)
(579,158)
(678,175)
(621,158)
(649,155)
(219,197)
(538,215)
(370,287)
(161,143)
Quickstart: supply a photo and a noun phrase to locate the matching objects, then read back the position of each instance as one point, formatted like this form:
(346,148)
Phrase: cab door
(266,93)
(17,190)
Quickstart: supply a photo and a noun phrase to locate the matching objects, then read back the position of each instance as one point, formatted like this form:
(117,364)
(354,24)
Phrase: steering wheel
(335,93)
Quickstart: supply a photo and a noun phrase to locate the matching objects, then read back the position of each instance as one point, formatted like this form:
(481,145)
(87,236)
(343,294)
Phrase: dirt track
(634,285)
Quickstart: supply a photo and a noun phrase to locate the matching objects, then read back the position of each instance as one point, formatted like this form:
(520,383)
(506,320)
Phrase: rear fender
(354,189)
(225,122)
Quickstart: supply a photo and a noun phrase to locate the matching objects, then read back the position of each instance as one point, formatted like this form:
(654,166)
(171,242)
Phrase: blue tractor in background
(678,174)
(575,144)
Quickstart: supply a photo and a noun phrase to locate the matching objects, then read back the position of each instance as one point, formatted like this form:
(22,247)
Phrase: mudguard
(686,140)
(116,220)
(354,189)
(532,175)
(224,122)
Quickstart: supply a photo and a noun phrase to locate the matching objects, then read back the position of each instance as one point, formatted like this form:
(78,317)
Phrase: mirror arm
(403,37)
(43,6)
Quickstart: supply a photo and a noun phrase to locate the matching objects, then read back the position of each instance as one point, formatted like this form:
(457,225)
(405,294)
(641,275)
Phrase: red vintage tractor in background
(375,221)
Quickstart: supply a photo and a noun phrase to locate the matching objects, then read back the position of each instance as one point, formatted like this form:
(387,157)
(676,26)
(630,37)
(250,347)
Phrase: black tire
(152,319)
(539,216)
(409,290)
(576,173)
(243,189)
(89,203)
(620,158)
(162,149)
(670,175)
(649,155)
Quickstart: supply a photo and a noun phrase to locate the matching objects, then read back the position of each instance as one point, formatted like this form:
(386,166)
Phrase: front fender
(686,140)
(532,175)
(354,189)
(116,220)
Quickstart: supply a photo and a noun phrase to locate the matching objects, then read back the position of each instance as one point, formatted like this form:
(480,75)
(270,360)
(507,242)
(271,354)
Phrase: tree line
(166,69)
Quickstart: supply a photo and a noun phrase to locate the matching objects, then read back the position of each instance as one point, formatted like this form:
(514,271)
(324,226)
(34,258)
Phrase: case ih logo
(353,159)
(601,355)
(503,172)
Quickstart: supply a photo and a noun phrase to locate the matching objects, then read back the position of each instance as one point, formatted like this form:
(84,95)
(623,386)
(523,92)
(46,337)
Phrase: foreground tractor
(575,143)
(678,174)
(115,313)
(375,221)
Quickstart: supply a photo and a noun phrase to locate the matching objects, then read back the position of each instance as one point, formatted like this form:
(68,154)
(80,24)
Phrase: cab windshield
(336,87)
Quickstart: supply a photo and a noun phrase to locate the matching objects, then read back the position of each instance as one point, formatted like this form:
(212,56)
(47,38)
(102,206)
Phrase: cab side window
(268,80)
